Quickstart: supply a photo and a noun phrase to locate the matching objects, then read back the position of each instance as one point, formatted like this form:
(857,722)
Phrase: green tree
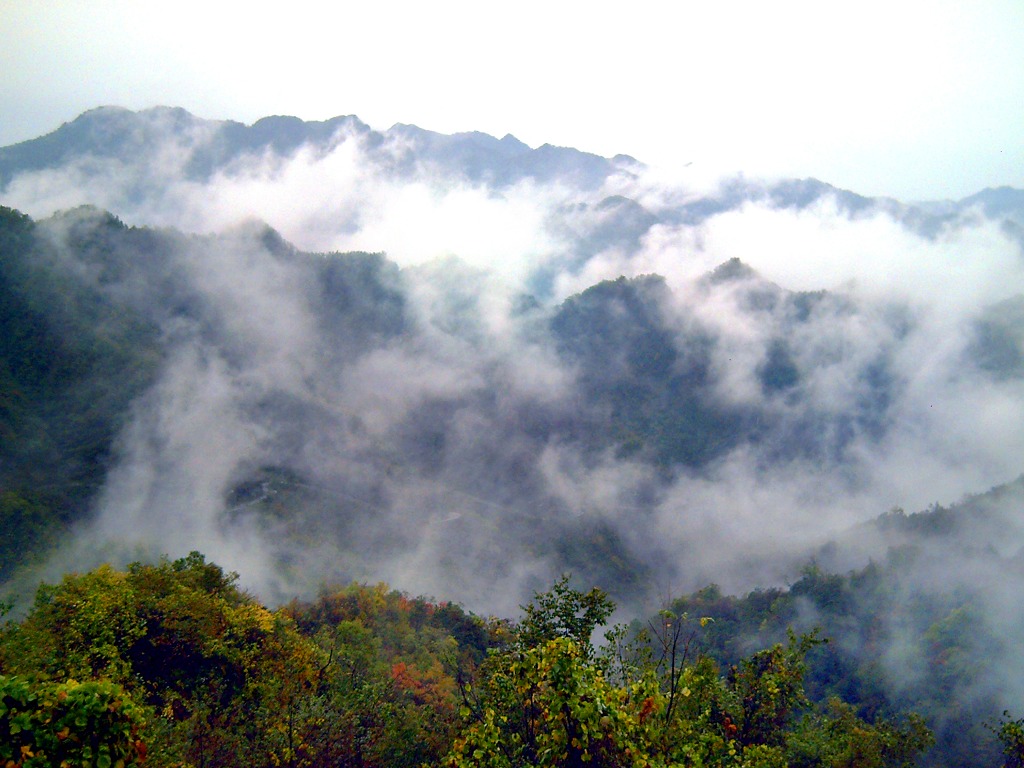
(1011,737)
(564,612)
(68,724)
(549,698)
(219,674)
(836,737)
(547,706)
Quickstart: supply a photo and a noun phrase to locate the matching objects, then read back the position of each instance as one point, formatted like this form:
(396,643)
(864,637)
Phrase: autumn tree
(218,674)
(68,724)
(551,698)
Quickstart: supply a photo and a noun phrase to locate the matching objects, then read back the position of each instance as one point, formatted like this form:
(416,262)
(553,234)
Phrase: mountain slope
(234,391)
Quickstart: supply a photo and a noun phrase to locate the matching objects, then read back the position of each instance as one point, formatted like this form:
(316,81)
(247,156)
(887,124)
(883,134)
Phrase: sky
(908,99)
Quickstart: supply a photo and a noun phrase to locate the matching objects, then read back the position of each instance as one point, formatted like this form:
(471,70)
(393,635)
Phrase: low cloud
(451,448)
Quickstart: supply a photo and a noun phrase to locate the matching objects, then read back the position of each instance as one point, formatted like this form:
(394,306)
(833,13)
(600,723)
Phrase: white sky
(913,99)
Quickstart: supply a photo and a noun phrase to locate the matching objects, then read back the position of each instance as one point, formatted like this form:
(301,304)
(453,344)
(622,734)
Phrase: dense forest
(171,664)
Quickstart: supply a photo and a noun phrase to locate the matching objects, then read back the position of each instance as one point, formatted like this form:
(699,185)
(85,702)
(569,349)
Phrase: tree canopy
(173,664)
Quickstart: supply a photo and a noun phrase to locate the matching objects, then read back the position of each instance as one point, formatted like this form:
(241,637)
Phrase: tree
(546,706)
(564,612)
(1011,736)
(68,724)
(217,673)
(546,700)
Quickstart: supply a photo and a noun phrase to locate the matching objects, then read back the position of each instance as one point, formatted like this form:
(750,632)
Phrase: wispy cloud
(443,450)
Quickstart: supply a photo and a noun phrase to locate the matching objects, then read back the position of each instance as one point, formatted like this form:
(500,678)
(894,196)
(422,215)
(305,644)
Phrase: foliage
(179,637)
(546,706)
(895,647)
(390,670)
(183,668)
(548,699)
(564,612)
(840,738)
(68,724)
(362,676)
(1011,738)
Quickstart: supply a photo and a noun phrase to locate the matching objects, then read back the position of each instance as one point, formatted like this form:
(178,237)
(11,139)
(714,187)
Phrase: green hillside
(172,665)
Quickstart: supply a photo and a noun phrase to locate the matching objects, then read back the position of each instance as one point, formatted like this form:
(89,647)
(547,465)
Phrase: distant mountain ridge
(117,132)
(212,145)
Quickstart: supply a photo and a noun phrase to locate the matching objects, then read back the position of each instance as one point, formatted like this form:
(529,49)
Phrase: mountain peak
(730,271)
(509,140)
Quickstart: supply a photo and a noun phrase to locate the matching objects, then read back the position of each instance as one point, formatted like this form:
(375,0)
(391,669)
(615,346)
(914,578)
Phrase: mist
(432,416)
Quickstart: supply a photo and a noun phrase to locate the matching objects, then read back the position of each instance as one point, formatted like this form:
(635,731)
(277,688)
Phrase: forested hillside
(286,407)
(170,664)
(62,348)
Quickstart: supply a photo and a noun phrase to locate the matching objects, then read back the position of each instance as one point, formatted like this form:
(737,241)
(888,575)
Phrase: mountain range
(320,352)
(666,374)
(134,153)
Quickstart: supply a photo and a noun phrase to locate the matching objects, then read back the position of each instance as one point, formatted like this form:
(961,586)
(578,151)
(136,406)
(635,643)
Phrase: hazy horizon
(918,100)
